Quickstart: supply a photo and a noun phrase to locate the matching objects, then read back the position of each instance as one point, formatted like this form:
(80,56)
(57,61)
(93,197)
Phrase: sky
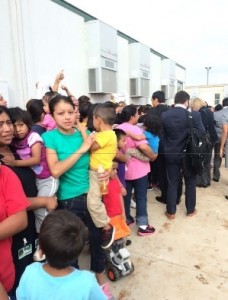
(193,33)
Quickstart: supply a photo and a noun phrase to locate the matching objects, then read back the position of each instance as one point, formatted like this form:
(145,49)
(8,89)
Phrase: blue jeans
(78,205)
(140,190)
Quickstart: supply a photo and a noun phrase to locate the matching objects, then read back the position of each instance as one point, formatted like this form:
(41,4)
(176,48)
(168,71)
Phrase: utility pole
(208,70)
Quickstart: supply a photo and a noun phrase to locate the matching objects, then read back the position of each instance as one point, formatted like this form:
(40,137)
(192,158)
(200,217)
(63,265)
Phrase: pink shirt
(135,168)
(49,122)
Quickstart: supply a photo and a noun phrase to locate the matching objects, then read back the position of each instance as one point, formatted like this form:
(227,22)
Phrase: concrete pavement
(185,259)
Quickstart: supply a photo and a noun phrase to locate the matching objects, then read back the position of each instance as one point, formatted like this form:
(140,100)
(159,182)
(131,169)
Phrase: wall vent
(109,64)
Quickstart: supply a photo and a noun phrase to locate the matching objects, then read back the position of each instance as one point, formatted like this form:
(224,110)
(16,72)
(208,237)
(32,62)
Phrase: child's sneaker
(148,231)
(107,237)
(133,204)
(106,291)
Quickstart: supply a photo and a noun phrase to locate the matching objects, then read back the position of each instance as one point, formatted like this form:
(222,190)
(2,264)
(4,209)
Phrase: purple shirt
(23,149)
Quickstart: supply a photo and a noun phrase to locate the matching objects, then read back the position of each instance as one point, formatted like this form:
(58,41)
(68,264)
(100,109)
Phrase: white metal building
(39,38)
(213,94)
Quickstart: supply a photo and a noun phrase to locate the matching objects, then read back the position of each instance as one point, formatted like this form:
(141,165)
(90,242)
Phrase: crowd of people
(69,166)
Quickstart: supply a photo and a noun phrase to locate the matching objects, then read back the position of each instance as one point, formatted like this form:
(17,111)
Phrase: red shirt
(112,199)
(12,200)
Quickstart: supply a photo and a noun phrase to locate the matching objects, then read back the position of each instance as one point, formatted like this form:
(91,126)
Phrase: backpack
(196,152)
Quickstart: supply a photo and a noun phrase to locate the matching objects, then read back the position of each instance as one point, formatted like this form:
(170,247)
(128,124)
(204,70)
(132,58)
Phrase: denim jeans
(140,189)
(78,205)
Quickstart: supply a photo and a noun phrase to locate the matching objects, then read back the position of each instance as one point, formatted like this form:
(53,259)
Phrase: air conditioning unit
(139,87)
(102,80)
(169,89)
(102,57)
(139,70)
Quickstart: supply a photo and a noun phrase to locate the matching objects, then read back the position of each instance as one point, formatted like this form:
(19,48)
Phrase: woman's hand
(80,127)
(222,152)
(104,176)
(88,142)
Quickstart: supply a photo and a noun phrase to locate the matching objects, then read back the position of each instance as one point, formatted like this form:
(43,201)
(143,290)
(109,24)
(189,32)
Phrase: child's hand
(60,76)
(51,203)
(64,87)
(123,191)
(9,161)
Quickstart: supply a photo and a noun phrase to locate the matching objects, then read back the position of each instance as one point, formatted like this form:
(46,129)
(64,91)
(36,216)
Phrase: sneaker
(107,237)
(133,204)
(38,256)
(148,231)
(106,291)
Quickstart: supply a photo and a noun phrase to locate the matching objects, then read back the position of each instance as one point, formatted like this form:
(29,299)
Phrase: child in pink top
(137,171)
(48,121)
(30,148)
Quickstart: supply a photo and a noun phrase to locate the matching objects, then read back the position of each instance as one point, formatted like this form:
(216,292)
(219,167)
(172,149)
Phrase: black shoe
(130,221)
(226,197)
(160,199)
(128,242)
(107,237)
(216,180)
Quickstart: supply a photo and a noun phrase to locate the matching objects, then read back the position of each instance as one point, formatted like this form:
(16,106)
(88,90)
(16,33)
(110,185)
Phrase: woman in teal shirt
(68,159)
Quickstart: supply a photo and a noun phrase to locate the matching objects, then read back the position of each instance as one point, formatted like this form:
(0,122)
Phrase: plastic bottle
(103,183)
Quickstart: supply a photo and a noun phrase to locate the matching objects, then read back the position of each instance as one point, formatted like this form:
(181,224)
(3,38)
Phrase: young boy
(113,201)
(103,151)
(62,237)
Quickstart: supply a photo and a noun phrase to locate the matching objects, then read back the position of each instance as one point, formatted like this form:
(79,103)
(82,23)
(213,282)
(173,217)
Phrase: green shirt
(75,181)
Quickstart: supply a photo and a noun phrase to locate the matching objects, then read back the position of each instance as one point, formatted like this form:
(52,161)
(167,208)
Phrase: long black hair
(152,124)
(127,112)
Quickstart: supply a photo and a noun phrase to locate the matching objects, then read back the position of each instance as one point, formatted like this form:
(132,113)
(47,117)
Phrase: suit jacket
(175,126)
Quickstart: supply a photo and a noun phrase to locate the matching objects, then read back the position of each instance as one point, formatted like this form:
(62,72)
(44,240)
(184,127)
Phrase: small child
(113,201)
(103,151)
(48,121)
(151,128)
(30,148)
(62,238)
(120,156)
(36,111)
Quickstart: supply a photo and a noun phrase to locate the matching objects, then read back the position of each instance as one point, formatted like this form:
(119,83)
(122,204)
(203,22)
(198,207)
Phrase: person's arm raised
(59,77)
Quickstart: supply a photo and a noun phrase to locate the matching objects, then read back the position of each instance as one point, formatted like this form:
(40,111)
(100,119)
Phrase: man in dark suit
(175,126)
(159,165)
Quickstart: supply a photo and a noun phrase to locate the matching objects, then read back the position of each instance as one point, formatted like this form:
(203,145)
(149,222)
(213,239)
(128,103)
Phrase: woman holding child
(23,243)
(68,159)
(137,171)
